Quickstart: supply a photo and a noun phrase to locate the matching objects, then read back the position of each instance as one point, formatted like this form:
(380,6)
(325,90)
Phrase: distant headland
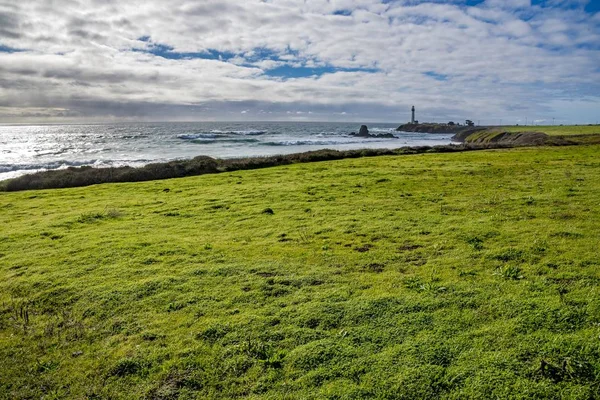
(437,128)
(429,127)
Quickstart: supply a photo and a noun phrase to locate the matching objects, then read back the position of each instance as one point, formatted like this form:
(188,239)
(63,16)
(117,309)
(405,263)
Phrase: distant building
(412,120)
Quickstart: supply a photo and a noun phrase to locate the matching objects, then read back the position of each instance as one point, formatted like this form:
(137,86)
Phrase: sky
(491,61)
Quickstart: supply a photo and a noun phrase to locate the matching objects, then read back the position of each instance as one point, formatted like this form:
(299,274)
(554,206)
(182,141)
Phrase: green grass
(463,275)
(555,130)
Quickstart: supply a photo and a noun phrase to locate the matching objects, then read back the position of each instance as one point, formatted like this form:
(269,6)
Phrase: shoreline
(35,149)
(201,165)
(470,139)
(9,171)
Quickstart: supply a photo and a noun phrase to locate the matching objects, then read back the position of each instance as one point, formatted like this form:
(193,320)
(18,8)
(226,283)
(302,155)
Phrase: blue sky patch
(258,54)
(592,6)
(6,49)
(472,3)
(343,12)
(287,71)
(436,76)
(168,52)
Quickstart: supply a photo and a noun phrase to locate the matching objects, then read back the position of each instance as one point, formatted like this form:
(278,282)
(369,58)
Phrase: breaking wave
(209,141)
(216,133)
(309,143)
(249,132)
(195,136)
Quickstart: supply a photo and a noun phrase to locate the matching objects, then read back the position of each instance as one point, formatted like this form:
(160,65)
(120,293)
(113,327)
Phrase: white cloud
(517,28)
(502,58)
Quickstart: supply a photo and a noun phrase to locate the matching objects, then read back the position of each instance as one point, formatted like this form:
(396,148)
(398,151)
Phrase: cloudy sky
(326,60)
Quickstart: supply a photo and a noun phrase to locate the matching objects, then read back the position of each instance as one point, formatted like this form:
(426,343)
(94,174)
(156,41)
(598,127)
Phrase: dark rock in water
(364,132)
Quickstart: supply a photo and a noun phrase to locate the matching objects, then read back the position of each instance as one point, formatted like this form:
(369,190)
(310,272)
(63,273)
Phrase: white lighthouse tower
(412,120)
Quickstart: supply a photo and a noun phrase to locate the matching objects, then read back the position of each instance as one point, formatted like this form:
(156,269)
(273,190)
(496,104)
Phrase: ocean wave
(309,143)
(55,152)
(195,136)
(249,132)
(385,130)
(209,141)
(132,136)
(216,133)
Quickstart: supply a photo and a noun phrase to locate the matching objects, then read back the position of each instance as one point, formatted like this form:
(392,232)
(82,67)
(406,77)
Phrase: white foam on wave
(194,136)
(386,130)
(224,140)
(217,133)
(311,142)
(249,132)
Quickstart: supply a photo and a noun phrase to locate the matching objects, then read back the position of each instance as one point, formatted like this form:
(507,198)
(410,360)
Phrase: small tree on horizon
(469,123)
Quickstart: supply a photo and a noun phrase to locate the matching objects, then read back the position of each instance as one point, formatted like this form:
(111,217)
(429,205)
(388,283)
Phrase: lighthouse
(412,120)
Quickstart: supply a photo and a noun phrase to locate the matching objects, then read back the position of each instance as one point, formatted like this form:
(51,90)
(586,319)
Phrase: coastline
(465,139)
(32,149)
(201,165)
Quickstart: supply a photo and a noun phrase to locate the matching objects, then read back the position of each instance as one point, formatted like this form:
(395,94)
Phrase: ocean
(31,148)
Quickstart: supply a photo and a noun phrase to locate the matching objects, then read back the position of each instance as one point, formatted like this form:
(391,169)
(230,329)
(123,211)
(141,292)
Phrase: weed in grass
(112,213)
(509,272)
(128,366)
(304,236)
(412,282)
(510,254)
(475,242)
(19,311)
(89,217)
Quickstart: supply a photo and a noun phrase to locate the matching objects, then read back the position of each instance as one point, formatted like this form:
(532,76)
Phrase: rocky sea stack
(364,132)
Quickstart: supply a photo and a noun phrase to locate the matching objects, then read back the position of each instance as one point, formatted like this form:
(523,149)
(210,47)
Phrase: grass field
(555,130)
(464,275)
